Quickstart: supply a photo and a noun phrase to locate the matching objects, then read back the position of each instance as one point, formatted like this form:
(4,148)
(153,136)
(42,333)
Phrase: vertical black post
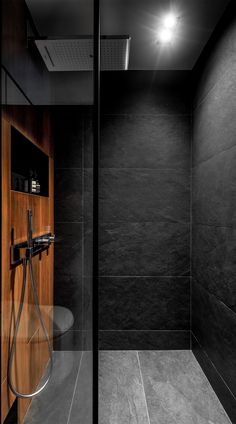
(96,151)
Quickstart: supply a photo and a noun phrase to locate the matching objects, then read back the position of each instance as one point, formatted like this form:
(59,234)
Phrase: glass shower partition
(49,152)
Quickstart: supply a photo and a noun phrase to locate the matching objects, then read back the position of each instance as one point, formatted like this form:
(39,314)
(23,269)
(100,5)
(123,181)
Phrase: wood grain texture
(32,355)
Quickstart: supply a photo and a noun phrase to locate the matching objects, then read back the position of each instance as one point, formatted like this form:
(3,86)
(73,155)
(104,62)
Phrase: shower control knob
(45,240)
(51,238)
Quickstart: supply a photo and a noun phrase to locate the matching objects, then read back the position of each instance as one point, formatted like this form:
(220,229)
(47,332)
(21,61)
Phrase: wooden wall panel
(32,355)
(18,215)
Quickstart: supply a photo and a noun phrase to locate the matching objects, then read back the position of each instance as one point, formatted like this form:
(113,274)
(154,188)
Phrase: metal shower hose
(13,347)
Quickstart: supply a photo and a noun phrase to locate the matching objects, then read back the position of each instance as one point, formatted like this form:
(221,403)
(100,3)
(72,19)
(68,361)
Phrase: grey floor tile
(177,390)
(82,407)
(52,406)
(121,392)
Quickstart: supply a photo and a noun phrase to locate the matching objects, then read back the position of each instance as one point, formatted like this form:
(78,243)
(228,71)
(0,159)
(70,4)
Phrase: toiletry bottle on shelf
(31,182)
(38,187)
(34,183)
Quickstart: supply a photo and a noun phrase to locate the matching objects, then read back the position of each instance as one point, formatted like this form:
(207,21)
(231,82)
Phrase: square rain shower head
(76,54)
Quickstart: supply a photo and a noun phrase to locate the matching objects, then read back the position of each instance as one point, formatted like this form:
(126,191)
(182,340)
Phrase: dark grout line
(79,168)
(140,115)
(141,168)
(149,331)
(145,276)
(69,222)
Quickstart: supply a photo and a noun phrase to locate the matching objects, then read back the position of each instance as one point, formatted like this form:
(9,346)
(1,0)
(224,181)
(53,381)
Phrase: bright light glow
(167,30)
(165,36)
(170,21)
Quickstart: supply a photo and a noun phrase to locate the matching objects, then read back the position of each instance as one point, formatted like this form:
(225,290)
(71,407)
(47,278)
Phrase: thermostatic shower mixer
(31,247)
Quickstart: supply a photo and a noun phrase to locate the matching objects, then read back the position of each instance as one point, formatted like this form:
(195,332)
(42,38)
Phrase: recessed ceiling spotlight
(170,20)
(167,29)
(165,36)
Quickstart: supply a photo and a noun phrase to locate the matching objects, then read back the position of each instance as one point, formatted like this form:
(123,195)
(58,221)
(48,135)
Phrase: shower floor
(135,387)
(156,387)
(67,398)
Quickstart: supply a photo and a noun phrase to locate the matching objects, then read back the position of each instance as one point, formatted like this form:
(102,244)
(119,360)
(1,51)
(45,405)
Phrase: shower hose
(16,329)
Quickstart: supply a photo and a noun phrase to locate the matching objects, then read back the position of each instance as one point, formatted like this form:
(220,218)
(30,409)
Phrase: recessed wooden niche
(28,160)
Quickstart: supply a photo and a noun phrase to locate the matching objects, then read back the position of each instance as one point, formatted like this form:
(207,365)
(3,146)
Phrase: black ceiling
(141,19)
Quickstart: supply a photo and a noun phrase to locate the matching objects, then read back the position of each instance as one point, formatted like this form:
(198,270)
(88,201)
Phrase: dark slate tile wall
(214,206)
(73,227)
(144,290)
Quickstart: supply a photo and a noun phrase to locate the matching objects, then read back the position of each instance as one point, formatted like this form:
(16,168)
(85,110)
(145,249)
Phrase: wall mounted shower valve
(35,247)
(45,240)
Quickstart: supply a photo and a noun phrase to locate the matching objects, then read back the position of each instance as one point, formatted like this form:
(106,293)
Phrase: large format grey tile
(214,121)
(88,249)
(145,142)
(53,404)
(87,303)
(82,406)
(177,390)
(88,141)
(68,249)
(214,190)
(88,194)
(72,340)
(68,195)
(144,195)
(68,293)
(144,303)
(146,92)
(121,392)
(69,136)
(214,325)
(144,340)
(88,340)
(213,261)
(220,62)
(147,248)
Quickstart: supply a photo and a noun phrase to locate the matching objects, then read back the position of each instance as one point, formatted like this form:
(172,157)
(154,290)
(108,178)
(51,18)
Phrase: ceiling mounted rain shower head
(76,54)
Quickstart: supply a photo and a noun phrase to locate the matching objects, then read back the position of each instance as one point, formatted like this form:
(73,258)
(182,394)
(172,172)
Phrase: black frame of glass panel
(96,151)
